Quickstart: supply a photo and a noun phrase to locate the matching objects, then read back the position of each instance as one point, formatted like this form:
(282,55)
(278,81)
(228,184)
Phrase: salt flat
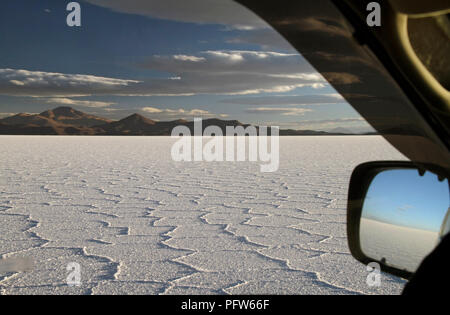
(402,247)
(138,222)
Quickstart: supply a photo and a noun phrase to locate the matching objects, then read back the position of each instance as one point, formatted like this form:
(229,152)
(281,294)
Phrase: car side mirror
(397,213)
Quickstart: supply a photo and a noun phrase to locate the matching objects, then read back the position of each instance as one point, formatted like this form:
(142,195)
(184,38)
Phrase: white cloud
(235,61)
(188,58)
(72,102)
(228,57)
(152,110)
(210,72)
(21,82)
(286,111)
(234,72)
(17,82)
(165,114)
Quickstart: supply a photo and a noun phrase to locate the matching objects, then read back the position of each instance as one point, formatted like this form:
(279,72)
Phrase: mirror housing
(360,184)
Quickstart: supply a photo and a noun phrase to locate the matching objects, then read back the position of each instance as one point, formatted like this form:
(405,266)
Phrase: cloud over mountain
(71,102)
(225,72)
(286,111)
(20,82)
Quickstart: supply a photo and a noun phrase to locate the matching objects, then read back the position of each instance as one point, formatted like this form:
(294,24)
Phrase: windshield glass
(96,196)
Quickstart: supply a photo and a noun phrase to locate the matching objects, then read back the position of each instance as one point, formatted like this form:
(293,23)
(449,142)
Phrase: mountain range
(68,121)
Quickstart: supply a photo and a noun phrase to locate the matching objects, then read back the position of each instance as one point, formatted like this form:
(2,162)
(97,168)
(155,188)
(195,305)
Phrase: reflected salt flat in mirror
(403,218)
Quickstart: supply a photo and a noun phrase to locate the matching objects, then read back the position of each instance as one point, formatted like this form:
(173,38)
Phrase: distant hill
(6,129)
(341,130)
(132,125)
(70,116)
(139,125)
(68,121)
(28,119)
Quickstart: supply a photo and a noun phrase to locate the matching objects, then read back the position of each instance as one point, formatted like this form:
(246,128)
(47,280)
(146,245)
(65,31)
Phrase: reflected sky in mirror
(402,216)
(403,197)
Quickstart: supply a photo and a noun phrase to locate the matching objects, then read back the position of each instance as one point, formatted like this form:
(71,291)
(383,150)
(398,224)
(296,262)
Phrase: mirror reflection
(404,216)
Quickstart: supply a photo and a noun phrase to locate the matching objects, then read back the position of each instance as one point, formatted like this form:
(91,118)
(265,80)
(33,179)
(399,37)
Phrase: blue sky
(402,197)
(163,59)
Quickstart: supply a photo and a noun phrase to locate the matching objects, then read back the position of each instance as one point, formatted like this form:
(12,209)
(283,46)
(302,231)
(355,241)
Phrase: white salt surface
(139,223)
(402,247)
